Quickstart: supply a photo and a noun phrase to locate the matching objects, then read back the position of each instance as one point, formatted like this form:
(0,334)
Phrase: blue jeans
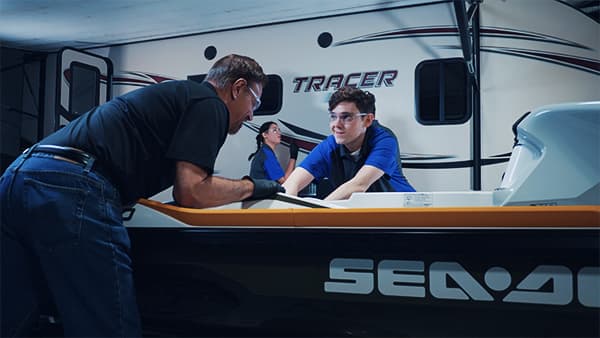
(62,232)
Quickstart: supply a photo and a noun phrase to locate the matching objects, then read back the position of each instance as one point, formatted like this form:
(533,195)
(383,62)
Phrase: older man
(62,199)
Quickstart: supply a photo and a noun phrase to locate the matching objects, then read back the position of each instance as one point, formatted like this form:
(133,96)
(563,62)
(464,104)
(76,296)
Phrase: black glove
(293,151)
(263,188)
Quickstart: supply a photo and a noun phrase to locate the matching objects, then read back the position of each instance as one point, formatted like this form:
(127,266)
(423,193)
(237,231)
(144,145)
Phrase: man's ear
(369,119)
(236,87)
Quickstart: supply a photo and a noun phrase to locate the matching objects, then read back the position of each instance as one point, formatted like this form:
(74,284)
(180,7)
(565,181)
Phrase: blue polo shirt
(265,165)
(380,149)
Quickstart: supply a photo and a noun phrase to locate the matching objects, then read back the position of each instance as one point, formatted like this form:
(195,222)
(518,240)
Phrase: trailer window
(441,90)
(84,91)
(271,96)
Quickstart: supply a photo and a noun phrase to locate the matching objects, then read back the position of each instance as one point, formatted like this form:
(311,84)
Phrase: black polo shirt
(139,136)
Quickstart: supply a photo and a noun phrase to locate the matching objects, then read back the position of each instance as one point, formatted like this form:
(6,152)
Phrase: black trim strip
(303,132)
(586,65)
(435,31)
(502,155)
(452,165)
(475,95)
(489,161)
(444,165)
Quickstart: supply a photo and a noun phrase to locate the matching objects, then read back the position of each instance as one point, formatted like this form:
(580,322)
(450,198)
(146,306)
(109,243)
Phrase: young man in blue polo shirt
(360,155)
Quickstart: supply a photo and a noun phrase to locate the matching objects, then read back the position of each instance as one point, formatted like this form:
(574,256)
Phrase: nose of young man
(338,134)
(337,126)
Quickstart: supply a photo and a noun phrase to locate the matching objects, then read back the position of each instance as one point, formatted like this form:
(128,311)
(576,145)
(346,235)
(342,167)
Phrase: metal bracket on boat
(128,213)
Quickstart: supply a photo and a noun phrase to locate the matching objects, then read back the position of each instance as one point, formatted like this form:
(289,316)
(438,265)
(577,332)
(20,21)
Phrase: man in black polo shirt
(65,195)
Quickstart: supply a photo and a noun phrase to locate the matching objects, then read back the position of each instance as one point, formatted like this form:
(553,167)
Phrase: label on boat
(418,200)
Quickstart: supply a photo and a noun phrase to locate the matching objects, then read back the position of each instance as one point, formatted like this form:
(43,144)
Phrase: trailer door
(83,82)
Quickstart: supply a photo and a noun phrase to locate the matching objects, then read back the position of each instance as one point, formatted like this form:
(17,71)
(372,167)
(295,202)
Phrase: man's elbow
(181,199)
(186,199)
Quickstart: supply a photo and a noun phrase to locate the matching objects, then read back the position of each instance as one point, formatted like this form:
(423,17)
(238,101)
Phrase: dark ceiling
(48,25)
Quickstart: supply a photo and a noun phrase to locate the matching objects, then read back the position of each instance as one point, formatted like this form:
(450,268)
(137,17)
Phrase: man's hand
(263,188)
(293,151)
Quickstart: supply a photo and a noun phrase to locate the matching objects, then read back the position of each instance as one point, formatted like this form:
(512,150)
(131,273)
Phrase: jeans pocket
(55,211)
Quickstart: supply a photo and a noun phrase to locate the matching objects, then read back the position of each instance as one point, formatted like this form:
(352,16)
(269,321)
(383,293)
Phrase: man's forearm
(290,168)
(215,191)
(359,183)
(299,178)
(344,191)
(218,190)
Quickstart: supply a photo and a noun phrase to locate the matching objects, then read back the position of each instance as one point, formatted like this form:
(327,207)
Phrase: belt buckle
(29,150)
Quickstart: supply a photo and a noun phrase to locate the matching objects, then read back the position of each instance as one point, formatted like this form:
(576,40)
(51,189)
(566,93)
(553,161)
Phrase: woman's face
(272,135)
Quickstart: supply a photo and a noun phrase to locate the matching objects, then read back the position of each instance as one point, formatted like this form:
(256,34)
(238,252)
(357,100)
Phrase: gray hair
(232,67)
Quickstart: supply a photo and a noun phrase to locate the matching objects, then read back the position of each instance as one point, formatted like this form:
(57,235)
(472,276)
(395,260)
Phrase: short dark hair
(364,101)
(232,67)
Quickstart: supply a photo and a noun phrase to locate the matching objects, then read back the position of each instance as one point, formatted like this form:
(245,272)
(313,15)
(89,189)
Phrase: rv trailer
(448,80)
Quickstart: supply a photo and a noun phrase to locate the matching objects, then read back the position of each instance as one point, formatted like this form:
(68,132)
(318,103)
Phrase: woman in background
(264,162)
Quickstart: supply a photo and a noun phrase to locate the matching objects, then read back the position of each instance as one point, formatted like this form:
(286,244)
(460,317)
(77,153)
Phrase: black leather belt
(69,153)
(72,154)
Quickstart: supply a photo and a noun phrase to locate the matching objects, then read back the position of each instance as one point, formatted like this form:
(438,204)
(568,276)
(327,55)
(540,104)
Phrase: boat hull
(397,282)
